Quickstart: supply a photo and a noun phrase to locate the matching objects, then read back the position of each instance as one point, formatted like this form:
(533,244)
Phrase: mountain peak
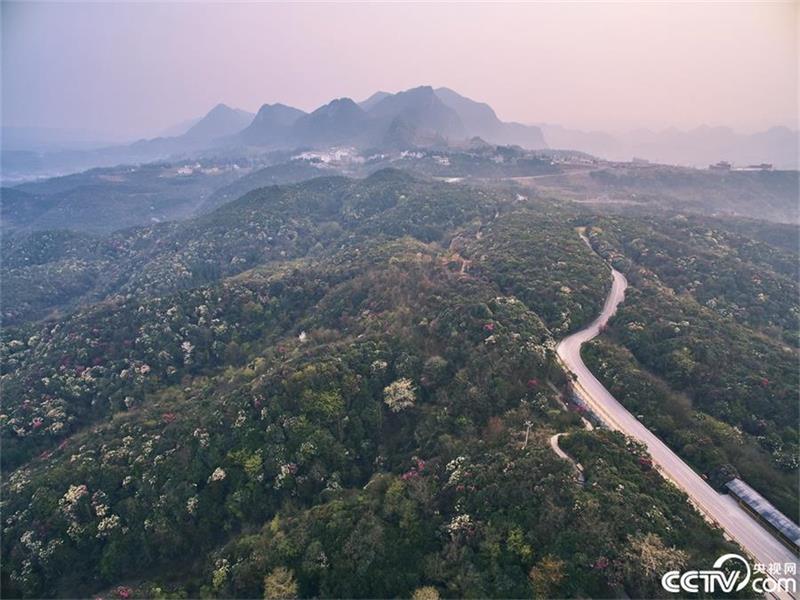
(271,124)
(339,121)
(480,120)
(340,104)
(373,100)
(278,111)
(220,121)
(420,109)
(419,116)
(421,90)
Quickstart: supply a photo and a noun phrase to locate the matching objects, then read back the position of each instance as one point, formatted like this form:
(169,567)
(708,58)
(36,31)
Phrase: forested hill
(337,388)
(705,348)
(47,271)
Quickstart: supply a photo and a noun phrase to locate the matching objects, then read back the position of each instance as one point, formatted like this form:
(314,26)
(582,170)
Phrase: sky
(134,69)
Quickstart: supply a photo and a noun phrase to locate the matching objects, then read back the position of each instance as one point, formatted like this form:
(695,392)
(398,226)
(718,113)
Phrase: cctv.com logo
(719,580)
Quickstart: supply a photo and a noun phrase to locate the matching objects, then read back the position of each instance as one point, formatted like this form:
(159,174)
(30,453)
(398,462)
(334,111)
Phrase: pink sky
(137,68)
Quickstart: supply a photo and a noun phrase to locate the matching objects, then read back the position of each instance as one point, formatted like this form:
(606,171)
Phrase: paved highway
(722,509)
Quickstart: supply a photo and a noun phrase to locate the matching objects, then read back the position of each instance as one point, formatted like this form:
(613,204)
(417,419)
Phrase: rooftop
(762,506)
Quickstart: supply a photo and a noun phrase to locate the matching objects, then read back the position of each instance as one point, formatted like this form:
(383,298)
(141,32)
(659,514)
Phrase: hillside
(344,385)
(626,188)
(706,349)
(103,200)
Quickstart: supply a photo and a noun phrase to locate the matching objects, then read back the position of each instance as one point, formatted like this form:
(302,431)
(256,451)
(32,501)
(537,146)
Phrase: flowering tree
(400,395)
(427,592)
(280,583)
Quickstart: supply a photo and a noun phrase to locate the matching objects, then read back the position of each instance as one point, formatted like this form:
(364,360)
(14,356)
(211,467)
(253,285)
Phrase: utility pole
(528,425)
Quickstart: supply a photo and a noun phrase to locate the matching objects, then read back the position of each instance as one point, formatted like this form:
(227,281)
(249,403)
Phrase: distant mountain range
(697,147)
(419,117)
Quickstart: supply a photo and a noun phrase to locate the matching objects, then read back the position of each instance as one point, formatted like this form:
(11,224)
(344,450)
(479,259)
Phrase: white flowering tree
(400,395)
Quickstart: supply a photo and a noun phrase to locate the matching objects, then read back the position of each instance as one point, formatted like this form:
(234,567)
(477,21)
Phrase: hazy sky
(137,68)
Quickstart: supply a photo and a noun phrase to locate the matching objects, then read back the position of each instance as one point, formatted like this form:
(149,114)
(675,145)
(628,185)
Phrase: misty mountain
(424,114)
(373,100)
(179,128)
(403,134)
(478,117)
(421,109)
(698,147)
(419,116)
(480,120)
(220,121)
(54,160)
(341,121)
(415,117)
(271,125)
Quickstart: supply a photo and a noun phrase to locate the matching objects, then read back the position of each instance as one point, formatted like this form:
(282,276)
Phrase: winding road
(561,454)
(721,509)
